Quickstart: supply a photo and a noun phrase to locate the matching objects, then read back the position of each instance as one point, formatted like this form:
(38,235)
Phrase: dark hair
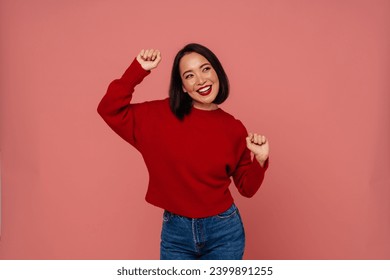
(179,101)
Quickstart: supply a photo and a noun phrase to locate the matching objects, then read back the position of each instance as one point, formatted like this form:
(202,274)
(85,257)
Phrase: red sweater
(190,162)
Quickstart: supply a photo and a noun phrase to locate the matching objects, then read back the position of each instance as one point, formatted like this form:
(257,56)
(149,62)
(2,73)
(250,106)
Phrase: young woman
(191,148)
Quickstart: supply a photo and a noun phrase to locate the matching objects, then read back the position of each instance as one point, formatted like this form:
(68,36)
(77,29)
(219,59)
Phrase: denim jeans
(219,237)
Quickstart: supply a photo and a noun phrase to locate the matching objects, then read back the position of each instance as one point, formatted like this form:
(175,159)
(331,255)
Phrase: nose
(200,80)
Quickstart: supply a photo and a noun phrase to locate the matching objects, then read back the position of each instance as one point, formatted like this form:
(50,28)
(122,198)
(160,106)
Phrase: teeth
(204,89)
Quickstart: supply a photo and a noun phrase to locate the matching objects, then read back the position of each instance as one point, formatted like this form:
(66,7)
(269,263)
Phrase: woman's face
(199,80)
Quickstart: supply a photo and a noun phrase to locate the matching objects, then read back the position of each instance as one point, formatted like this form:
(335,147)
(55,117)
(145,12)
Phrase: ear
(184,90)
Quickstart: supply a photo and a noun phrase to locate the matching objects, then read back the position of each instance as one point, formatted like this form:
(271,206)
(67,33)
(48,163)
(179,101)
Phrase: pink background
(311,75)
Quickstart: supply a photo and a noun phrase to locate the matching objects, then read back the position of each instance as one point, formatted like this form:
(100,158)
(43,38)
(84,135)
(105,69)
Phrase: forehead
(192,61)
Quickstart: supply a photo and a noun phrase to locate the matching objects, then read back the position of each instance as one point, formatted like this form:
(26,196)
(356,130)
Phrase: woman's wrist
(261,160)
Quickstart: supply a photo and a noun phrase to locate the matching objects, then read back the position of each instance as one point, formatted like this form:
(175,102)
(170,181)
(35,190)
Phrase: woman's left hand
(259,146)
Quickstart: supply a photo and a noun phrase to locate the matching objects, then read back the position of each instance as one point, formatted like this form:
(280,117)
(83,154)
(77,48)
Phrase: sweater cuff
(135,72)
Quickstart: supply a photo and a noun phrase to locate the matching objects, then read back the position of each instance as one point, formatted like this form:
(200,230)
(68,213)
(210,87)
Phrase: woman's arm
(115,107)
(249,174)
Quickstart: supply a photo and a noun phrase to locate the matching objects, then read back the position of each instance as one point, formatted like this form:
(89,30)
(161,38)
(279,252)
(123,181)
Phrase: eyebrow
(200,67)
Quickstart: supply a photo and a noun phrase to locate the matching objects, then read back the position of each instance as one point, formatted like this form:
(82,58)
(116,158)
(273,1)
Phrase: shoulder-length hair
(179,101)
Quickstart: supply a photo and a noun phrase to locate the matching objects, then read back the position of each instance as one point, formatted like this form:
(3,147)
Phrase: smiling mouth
(204,90)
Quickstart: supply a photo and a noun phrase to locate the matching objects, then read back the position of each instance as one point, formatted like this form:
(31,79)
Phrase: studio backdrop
(313,76)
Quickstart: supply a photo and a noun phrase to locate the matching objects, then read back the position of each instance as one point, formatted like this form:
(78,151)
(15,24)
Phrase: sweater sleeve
(249,174)
(115,107)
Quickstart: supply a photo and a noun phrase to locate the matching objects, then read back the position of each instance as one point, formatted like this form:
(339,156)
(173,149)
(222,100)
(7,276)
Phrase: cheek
(187,85)
(214,77)
(216,89)
(216,82)
(185,88)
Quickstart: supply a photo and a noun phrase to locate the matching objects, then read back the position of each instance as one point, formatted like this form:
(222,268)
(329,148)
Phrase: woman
(191,148)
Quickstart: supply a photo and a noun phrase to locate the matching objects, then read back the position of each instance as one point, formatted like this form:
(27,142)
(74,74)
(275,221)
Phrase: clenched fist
(149,59)
(259,146)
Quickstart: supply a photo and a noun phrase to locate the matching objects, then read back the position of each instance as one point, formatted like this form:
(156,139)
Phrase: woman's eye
(206,69)
(188,76)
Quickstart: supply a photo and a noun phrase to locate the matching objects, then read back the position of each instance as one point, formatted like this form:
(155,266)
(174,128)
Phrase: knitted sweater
(190,162)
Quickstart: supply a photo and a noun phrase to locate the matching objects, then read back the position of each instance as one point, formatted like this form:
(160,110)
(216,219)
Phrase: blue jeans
(219,237)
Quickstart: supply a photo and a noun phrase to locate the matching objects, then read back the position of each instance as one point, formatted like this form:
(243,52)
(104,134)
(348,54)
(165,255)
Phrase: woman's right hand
(149,59)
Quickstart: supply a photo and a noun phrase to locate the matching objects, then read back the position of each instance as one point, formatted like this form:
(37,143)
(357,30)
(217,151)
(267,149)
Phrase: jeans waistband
(232,208)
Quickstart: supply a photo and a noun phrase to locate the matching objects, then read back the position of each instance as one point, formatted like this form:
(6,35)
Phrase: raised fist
(149,59)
